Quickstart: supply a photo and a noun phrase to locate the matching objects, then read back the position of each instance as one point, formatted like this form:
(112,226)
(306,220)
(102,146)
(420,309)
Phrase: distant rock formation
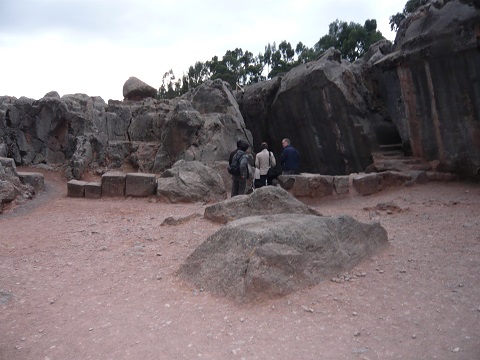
(81,133)
(421,94)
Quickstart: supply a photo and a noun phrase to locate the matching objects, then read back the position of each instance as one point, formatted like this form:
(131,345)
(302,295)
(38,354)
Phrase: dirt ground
(95,279)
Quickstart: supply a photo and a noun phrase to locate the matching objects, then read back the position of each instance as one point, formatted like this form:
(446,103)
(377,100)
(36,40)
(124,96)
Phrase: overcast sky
(94,46)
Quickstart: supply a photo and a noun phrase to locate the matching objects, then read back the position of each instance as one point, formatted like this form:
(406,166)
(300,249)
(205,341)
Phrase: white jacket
(262,163)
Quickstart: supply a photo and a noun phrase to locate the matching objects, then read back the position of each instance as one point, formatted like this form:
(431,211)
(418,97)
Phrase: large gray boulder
(264,256)
(190,181)
(135,89)
(267,200)
(326,108)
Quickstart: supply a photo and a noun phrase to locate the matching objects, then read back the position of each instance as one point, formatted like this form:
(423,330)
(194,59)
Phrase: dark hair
(264,145)
(239,143)
(243,145)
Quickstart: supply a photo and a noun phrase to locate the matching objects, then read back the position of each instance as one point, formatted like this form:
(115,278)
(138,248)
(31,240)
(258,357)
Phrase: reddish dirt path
(95,279)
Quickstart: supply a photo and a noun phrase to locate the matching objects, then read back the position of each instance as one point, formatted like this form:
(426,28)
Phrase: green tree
(304,54)
(410,7)
(169,88)
(352,39)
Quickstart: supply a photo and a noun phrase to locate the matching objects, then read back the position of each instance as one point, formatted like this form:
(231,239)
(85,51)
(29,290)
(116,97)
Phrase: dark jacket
(240,154)
(290,159)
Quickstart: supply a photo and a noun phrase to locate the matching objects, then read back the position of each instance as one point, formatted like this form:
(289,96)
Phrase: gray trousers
(238,186)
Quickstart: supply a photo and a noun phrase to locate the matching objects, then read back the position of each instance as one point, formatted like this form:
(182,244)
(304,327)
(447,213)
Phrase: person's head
(264,145)
(285,142)
(243,145)
(239,143)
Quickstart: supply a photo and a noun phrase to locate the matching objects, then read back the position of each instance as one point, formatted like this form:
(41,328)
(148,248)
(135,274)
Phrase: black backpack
(234,167)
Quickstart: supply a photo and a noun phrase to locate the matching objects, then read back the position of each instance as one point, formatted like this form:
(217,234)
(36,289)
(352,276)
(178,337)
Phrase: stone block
(367,184)
(140,184)
(394,178)
(307,185)
(76,188)
(113,184)
(341,184)
(35,180)
(93,190)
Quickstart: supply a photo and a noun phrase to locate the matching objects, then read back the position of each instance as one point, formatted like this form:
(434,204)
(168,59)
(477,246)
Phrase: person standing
(290,158)
(263,161)
(240,159)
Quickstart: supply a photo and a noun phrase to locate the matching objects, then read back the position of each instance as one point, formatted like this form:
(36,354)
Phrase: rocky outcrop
(430,85)
(190,181)
(267,200)
(266,256)
(11,185)
(421,93)
(326,108)
(81,133)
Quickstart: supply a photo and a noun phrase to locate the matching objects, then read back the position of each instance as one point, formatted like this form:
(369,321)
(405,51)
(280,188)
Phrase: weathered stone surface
(264,256)
(367,184)
(140,185)
(11,186)
(307,185)
(341,184)
(136,89)
(34,179)
(9,167)
(417,177)
(190,181)
(7,191)
(76,188)
(267,200)
(113,184)
(93,190)
(429,88)
(324,108)
(84,133)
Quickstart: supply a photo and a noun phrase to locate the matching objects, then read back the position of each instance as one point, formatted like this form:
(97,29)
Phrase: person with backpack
(238,168)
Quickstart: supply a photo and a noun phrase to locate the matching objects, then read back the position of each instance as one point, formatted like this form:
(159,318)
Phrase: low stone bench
(35,180)
(93,190)
(113,184)
(314,185)
(140,184)
(318,186)
(76,188)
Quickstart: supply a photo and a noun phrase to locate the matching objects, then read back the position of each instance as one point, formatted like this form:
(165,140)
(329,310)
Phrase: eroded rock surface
(267,200)
(264,256)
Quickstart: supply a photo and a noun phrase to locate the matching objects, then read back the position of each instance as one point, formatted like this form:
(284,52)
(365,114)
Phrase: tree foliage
(352,39)
(410,7)
(240,68)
